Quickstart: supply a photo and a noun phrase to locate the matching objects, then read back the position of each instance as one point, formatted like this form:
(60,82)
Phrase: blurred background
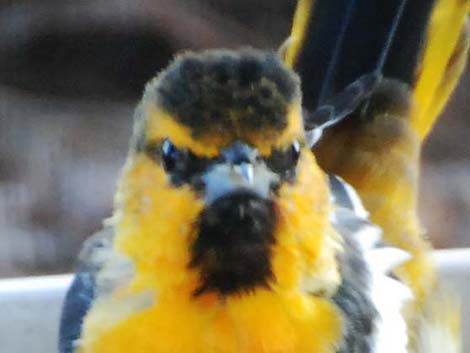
(71,73)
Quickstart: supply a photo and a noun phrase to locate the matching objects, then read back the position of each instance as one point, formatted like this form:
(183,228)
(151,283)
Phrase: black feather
(223,91)
(363,46)
(232,251)
(82,292)
(76,305)
(352,297)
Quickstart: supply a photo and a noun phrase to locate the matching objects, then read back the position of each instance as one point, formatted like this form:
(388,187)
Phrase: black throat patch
(233,249)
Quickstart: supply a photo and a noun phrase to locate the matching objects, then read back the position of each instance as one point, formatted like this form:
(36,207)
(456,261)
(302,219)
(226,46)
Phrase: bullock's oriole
(231,232)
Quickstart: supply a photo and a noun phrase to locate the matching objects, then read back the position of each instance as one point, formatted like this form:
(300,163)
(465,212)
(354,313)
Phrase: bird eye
(182,165)
(284,162)
(295,150)
(171,156)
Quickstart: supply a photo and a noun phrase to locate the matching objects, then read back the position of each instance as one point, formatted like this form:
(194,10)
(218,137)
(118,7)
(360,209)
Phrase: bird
(268,200)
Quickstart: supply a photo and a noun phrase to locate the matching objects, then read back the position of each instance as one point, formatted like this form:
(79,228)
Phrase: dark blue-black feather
(77,303)
(363,45)
(82,291)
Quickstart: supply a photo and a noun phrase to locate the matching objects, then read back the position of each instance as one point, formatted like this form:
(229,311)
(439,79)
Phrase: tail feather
(376,148)
(356,37)
(427,52)
(443,61)
(299,31)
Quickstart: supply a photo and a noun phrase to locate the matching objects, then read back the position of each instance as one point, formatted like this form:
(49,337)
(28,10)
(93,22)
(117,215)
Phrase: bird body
(230,233)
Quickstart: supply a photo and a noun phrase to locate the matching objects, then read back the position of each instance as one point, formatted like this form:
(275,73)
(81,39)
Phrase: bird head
(220,193)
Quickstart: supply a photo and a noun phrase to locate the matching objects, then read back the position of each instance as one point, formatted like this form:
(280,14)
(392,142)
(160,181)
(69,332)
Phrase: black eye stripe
(183,166)
(180,164)
(284,162)
(154,151)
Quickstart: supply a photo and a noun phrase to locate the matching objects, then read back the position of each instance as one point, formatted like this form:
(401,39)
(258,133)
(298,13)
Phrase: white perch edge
(30,306)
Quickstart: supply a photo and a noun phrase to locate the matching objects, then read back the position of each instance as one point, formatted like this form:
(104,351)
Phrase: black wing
(341,49)
(359,271)
(81,293)
(345,39)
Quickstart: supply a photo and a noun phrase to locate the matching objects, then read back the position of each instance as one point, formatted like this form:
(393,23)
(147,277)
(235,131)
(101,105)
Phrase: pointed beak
(239,171)
(246,171)
(224,179)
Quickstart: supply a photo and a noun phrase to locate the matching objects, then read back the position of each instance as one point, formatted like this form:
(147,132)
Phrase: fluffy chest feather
(261,322)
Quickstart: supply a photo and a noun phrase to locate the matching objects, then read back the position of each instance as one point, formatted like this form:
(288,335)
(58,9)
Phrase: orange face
(221,291)
(221,223)
(215,208)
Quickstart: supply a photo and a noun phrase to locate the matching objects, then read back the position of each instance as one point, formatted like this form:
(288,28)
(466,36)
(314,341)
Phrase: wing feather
(443,61)
(82,291)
